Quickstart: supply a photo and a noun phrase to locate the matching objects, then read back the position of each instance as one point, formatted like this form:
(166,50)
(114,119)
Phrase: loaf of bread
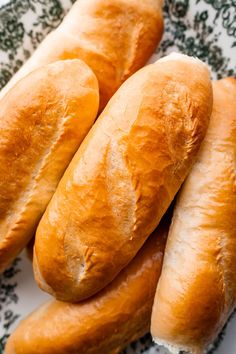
(43,120)
(103,324)
(114,37)
(197,290)
(123,178)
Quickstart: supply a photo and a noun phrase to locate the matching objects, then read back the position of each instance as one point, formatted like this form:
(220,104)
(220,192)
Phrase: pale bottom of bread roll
(105,323)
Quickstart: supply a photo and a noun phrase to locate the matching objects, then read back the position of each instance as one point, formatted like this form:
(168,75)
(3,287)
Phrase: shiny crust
(197,289)
(104,324)
(123,178)
(43,120)
(115,38)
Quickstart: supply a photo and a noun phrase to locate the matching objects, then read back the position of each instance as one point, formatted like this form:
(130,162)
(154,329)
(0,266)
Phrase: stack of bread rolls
(46,111)
(123,178)
(96,195)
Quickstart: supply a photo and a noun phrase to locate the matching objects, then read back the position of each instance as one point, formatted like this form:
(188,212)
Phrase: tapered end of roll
(183,57)
(39,278)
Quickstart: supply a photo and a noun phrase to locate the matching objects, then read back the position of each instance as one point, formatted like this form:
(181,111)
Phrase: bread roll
(123,178)
(105,323)
(114,37)
(197,290)
(43,120)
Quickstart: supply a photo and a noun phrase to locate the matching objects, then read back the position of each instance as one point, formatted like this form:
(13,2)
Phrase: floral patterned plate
(203,28)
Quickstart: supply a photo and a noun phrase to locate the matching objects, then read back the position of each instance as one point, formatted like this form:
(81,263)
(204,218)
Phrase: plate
(202,28)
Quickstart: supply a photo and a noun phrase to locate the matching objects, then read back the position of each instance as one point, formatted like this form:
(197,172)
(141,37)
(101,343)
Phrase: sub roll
(43,120)
(123,178)
(114,37)
(105,323)
(197,290)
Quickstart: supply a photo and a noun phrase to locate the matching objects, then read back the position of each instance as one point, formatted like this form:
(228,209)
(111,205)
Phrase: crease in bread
(196,293)
(105,323)
(123,178)
(43,120)
(115,38)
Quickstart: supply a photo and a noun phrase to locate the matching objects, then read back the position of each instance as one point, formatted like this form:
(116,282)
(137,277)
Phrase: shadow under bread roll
(105,323)
(123,178)
(114,37)
(29,249)
(43,120)
(197,289)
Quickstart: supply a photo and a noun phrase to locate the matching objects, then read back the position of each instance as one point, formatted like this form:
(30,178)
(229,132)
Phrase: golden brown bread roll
(43,120)
(123,178)
(197,290)
(103,324)
(114,37)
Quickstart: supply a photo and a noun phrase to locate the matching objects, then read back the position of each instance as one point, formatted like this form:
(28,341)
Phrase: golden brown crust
(197,289)
(123,178)
(115,38)
(43,120)
(103,324)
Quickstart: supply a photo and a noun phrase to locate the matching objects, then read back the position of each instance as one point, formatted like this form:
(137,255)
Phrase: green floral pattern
(23,25)
(8,296)
(202,28)
(205,29)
